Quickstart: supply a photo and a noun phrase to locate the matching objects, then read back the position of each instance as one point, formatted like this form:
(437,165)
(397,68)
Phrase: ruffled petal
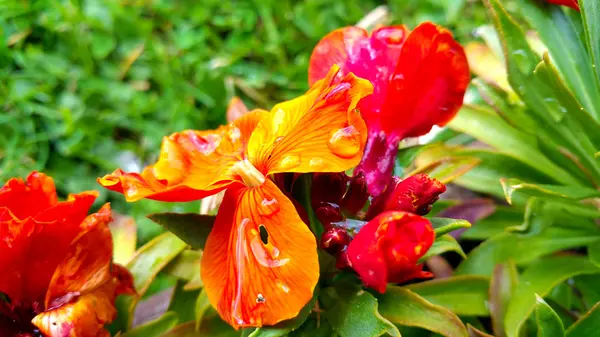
(86,265)
(28,198)
(259,265)
(428,85)
(34,247)
(192,164)
(318,132)
(371,57)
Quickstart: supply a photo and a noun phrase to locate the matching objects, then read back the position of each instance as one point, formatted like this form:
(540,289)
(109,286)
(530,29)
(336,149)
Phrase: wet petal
(429,84)
(191,166)
(371,57)
(318,132)
(260,262)
(87,263)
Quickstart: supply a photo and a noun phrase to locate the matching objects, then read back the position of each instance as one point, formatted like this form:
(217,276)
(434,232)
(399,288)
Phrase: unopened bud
(334,240)
(357,195)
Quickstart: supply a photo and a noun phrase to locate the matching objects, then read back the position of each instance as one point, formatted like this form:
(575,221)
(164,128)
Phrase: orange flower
(57,277)
(570,3)
(259,265)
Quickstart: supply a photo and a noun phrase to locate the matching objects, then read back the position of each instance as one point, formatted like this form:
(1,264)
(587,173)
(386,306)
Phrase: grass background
(88,86)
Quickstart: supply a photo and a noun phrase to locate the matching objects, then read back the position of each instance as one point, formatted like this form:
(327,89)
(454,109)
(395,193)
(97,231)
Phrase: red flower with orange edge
(569,3)
(414,194)
(57,276)
(254,279)
(387,249)
(419,81)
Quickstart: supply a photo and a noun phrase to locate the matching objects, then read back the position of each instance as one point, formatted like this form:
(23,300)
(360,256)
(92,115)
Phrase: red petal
(25,199)
(570,3)
(429,84)
(253,280)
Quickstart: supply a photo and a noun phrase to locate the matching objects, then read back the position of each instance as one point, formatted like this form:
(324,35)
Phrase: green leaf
(356,315)
(190,227)
(548,322)
(202,305)
(504,217)
(154,328)
(443,244)
(486,126)
(445,169)
(566,48)
(588,325)
(522,248)
(211,326)
(285,327)
(404,307)
(124,233)
(473,332)
(183,303)
(445,225)
(594,253)
(539,279)
(590,13)
(502,285)
(186,266)
(148,261)
(511,186)
(463,295)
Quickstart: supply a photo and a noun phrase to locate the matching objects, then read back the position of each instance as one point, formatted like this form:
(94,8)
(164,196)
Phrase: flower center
(251,176)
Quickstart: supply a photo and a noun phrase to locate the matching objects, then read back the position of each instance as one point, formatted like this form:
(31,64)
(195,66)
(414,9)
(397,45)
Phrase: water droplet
(268,206)
(278,120)
(523,61)
(283,286)
(235,134)
(275,252)
(289,162)
(278,139)
(345,143)
(317,163)
(260,298)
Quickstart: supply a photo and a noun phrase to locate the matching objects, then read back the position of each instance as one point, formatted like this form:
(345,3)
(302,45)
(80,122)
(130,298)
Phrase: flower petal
(25,199)
(34,247)
(429,84)
(86,265)
(373,58)
(260,263)
(571,3)
(192,164)
(317,132)
(235,109)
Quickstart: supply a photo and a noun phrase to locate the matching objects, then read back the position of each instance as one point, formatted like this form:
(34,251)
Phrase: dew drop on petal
(235,134)
(345,142)
(289,162)
(278,119)
(260,298)
(283,286)
(268,206)
(316,163)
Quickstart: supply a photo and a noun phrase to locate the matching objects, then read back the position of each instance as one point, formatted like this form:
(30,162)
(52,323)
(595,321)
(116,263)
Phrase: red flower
(415,194)
(570,3)
(57,275)
(387,249)
(419,81)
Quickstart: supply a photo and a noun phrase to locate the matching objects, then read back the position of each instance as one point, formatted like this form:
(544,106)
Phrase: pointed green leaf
(548,322)
(441,245)
(588,325)
(539,279)
(285,327)
(511,186)
(404,307)
(473,332)
(190,227)
(502,285)
(446,225)
(463,295)
(594,253)
(202,305)
(154,328)
(590,13)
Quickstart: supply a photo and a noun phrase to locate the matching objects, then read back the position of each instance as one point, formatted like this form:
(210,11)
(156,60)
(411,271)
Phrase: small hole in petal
(264,235)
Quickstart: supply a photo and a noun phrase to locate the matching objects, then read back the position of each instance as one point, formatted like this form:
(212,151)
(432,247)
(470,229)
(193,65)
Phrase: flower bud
(387,249)
(334,240)
(357,195)
(415,194)
(328,187)
(329,213)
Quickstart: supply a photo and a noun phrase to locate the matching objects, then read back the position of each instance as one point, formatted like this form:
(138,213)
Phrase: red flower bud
(329,213)
(415,194)
(570,3)
(388,248)
(328,187)
(334,240)
(357,195)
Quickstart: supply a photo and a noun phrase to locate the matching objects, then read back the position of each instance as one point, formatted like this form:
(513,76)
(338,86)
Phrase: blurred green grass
(88,86)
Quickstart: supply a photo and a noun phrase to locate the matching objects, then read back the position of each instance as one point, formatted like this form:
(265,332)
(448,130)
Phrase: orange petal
(192,164)
(87,264)
(85,316)
(236,109)
(318,132)
(28,198)
(250,282)
(429,84)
